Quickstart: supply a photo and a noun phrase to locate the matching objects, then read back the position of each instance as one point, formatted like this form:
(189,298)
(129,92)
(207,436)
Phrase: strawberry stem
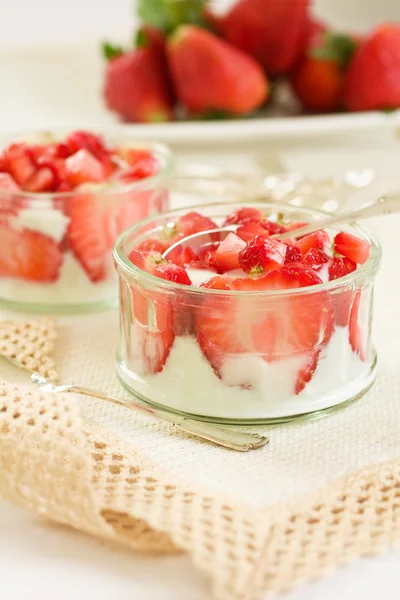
(336,47)
(167,15)
(110,51)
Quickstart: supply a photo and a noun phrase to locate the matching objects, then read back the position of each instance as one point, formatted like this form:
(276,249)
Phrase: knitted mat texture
(55,462)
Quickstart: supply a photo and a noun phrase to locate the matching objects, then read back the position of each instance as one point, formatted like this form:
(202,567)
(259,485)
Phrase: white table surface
(47,561)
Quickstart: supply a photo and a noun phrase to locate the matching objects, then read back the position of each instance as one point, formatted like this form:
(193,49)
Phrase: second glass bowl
(56,247)
(234,356)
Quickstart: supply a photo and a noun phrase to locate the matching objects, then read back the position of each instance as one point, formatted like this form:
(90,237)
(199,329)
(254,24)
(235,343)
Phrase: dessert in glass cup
(63,202)
(238,326)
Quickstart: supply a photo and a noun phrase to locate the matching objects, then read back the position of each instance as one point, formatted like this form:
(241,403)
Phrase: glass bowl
(297,353)
(72,234)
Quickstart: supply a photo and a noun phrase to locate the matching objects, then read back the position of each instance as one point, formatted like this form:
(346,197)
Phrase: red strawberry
(250,229)
(315,258)
(43,153)
(274,329)
(219,282)
(243,215)
(306,373)
(42,180)
(85,140)
(29,255)
(19,163)
(146,167)
(212,75)
(227,253)
(340,267)
(318,79)
(172,272)
(262,255)
(273,228)
(318,239)
(183,257)
(137,86)
(355,335)
(293,254)
(89,235)
(352,247)
(82,167)
(192,223)
(153,245)
(373,79)
(273,31)
(133,156)
(207,257)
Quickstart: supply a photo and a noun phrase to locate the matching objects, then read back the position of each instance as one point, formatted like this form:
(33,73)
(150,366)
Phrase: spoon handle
(385,205)
(228,438)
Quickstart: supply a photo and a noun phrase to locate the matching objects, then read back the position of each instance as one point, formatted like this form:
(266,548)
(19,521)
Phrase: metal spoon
(232,439)
(385,205)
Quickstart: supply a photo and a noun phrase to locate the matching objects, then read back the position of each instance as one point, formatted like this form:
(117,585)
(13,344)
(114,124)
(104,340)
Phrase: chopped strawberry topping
(315,258)
(82,167)
(340,267)
(293,254)
(192,223)
(352,247)
(172,272)
(243,215)
(272,227)
(183,256)
(42,180)
(249,229)
(227,253)
(219,282)
(153,245)
(318,239)
(19,163)
(262,255)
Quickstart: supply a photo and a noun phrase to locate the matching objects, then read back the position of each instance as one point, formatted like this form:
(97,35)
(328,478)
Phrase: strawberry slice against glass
(342,302)
(9,202)
(352,247)
(29,255)
(228,252)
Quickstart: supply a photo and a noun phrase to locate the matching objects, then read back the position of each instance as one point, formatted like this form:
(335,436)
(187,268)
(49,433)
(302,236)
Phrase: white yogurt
(189,384)
(72,287)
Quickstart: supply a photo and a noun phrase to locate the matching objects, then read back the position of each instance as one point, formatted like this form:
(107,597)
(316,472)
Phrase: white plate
(61,86)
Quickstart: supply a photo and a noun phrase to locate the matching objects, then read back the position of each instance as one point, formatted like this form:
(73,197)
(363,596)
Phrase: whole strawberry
(318,79)
(273,31)
(212,75)
(136,84)
(373,79)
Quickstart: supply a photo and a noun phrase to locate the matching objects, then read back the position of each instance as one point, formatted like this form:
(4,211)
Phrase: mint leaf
(337,47)
(110,51)
(167,15)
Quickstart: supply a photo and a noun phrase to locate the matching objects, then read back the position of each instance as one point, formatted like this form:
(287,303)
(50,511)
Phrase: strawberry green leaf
(336,47)
(110,51)
(167,15)
(141,39)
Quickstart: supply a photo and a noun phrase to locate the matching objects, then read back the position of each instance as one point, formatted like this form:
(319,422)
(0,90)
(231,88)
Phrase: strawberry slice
(19,163)
(89,235)
(184,257)
(153,245)
(243,215)
(318,239)
(272,328)
(82,167)
(250,229)
(262,255)
(9,203)
(85,140)
(306,373)
(293,254)
(352,247)
(227,253)
(343,301)
(355,335)
(315,258)
(273,228)
(29,255)
(219,282)
(42,180)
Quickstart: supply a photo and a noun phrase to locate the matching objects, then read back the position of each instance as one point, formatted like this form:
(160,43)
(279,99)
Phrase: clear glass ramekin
(174,352)
(108,209)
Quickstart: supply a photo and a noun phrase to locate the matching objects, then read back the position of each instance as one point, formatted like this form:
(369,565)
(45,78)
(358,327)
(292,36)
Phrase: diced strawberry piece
(147,261)
(88,234)
(19,163)
(29,255)
(219,282)
(318,239)
(42,180)
(250,229)
(315,258)
(355,334)
(183,257)
(172,272)
(273,228)
(293,254)
(84,140)
(352,247)
(146,167)
(192,223)
(206,254)
(243,215)
(227,253)
(43,153)
(340,267)
(134,155)
(262,255)
(82,167)
(153,245)
(306,373)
